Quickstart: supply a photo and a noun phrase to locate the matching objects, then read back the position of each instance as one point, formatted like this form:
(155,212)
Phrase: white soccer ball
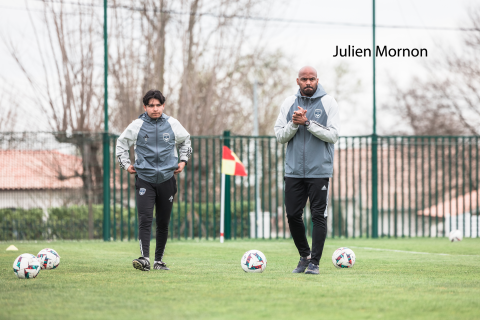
(49,258)
(253,261)
(343,258)
(455,235)
(26,266)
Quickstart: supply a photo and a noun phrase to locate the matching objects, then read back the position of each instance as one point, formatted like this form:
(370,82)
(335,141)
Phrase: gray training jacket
(155,142)
(310,149)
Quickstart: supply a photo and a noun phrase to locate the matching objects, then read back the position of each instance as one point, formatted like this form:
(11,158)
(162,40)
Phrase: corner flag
(231,166)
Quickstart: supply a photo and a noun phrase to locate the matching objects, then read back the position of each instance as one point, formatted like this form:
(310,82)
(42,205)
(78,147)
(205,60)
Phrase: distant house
(409,179)
(460,213)
(39,179)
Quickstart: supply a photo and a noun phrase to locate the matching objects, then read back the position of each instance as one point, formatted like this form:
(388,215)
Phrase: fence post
(374,143)
(228,213)
(374,186)
(106,187)
(106,142)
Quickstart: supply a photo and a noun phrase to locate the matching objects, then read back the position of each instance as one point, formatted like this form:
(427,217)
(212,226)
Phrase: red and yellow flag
(231,165)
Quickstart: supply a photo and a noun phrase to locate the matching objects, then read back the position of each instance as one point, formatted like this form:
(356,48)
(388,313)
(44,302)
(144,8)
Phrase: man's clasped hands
(300,116)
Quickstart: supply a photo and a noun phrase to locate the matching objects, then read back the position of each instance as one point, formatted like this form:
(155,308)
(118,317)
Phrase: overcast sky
(314,44)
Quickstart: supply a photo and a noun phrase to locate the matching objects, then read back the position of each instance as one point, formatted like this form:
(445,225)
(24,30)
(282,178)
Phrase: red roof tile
(39,170)
(454,208)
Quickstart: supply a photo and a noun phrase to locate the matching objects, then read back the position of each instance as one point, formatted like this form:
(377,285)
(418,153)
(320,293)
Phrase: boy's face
(154,109)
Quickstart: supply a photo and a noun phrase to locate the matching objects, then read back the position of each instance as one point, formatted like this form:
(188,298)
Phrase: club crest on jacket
(166,137)
(318,113)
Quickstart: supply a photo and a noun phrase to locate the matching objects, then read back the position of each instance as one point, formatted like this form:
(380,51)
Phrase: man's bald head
(307,81)
(307,70)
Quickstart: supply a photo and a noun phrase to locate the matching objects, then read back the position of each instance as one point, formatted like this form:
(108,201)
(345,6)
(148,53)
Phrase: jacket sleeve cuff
(184,158)
(294,125)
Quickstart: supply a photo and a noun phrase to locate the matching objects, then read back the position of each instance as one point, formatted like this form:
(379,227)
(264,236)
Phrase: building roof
(406,184)
(39,170)
(457,206)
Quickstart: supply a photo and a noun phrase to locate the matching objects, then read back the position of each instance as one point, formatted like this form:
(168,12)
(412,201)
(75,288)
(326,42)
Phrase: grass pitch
(391,279)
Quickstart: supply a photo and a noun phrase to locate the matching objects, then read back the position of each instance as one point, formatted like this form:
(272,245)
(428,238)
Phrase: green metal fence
(196,209)
(427,186)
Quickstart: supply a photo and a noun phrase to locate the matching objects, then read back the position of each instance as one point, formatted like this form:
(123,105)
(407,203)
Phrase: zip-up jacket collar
(145,117)
(318,94)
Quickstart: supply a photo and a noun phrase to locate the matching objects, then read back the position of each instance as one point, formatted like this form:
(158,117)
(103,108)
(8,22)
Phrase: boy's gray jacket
(310,149)
(154,142)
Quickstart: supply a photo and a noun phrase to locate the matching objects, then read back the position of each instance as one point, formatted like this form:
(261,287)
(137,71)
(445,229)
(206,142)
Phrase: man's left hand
(300,116)
(181,165)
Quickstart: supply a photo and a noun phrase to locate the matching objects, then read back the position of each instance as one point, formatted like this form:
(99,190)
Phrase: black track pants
(297,191)
(161,196)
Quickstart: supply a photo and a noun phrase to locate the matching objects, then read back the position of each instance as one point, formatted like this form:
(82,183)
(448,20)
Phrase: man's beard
(311,91)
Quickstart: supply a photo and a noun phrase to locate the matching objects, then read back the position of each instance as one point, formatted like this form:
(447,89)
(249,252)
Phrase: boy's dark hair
(153,94)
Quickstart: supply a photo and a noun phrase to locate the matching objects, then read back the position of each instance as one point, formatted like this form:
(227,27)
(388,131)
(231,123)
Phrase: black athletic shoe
(312,269)
(302,265)
(141,264)
(160,266)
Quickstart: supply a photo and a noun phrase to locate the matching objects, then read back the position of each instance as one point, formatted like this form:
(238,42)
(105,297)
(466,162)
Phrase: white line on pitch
(413,252)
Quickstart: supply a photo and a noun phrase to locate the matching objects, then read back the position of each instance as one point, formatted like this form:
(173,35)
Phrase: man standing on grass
(155,137)
(309,122)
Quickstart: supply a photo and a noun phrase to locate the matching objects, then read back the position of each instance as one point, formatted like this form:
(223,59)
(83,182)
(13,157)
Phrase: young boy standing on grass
(155,137)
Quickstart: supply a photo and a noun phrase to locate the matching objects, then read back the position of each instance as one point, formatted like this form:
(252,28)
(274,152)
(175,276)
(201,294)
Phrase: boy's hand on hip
(181,165)
(131,170)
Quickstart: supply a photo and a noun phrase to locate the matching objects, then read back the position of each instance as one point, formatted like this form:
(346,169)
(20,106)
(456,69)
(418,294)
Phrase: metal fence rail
(427,186)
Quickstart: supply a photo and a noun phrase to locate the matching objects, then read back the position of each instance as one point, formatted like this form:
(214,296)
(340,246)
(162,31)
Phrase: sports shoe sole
(299,271)
(139,266)
(308,272)
(165,268)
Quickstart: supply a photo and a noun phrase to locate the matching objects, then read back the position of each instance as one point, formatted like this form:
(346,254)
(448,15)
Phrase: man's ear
(145,108)
(297,82)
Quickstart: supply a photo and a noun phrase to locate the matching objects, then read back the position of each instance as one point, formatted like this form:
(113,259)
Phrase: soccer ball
(49,258)
(455,235)
(26,266)
(343,258)
(253,261)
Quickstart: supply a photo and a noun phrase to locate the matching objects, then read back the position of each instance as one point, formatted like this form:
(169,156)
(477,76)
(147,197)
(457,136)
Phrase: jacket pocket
(328,154)
(167,151)
(289,159)
(139,164)
(288,169)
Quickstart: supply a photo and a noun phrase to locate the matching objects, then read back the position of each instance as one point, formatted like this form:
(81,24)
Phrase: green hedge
(72,222)
(15,214)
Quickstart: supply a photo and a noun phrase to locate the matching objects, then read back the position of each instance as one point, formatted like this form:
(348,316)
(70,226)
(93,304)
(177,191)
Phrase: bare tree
(8,109)
(275,81)
(125,61)
(204,63)
(217,56)
(137,56)
(447,103)
(67,89)
(345,86)
(157,19)
(424,108)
